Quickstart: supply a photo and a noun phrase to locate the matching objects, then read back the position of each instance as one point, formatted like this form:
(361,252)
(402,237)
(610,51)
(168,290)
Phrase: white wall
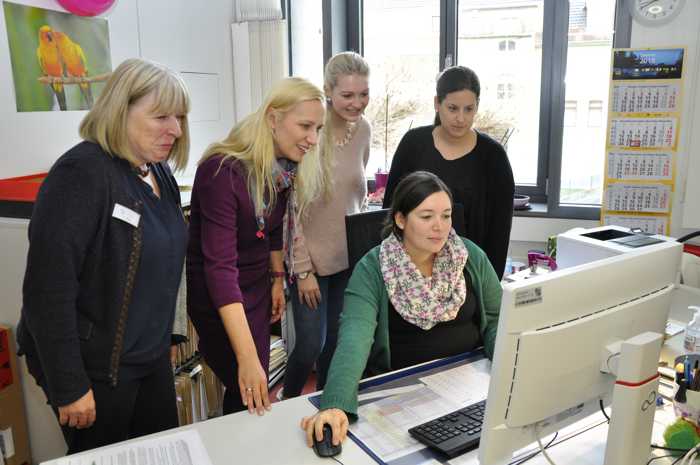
(193,38)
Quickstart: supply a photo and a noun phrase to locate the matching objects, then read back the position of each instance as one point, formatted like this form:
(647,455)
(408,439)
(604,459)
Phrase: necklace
(349,132)
(143,171)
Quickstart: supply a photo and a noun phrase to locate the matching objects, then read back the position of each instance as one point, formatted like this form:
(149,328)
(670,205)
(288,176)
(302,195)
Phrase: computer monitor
(553,344)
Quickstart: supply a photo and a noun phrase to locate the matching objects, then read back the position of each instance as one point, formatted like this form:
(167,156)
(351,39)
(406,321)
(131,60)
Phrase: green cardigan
(363,339)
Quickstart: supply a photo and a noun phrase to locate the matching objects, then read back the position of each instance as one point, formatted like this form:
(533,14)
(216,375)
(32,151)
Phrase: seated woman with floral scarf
(423,293)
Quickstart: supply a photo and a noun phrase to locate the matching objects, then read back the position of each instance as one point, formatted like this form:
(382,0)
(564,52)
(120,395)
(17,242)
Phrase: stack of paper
(278,359)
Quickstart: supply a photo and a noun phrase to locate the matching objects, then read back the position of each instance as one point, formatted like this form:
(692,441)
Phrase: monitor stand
(633,399)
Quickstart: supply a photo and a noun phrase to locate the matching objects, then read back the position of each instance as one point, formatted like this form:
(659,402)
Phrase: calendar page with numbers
(644,122)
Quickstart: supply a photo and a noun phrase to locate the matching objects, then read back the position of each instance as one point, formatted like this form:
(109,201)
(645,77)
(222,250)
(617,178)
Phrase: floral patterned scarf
(284,173)
(423,301)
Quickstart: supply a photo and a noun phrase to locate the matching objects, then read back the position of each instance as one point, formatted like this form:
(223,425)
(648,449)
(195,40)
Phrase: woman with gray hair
(106,248)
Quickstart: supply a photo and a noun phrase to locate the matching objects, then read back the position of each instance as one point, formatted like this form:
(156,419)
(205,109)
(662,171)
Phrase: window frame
(343,30)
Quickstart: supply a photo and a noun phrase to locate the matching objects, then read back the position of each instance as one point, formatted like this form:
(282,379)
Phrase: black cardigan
(80,272)
(482,181)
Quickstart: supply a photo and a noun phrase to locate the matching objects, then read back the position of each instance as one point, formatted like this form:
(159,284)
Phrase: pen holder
(687,405)
(690,409)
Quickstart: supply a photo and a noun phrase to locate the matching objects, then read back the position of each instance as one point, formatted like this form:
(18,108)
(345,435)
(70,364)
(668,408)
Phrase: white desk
(276,438)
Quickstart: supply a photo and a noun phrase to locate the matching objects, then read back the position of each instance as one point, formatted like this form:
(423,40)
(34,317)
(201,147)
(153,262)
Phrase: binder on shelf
(278,360)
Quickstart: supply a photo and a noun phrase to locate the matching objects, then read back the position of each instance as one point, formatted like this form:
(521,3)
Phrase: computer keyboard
(454,433)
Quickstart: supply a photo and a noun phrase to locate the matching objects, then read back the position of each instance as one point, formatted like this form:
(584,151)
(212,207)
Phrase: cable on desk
(539,442)
(659,458)
(341,463)
(671,449)
(678,460)
(690,457)
(535,454)
(602,410)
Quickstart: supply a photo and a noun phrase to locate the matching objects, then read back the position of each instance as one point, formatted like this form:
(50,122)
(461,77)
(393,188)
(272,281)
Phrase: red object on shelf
(21,189)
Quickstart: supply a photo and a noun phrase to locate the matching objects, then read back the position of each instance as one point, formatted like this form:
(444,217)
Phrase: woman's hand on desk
(253,385)
(309,291)
(336,418)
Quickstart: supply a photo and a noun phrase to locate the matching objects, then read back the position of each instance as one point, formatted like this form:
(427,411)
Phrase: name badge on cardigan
(127,215)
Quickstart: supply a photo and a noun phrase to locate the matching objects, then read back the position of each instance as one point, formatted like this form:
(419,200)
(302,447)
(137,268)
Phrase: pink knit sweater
(323,248)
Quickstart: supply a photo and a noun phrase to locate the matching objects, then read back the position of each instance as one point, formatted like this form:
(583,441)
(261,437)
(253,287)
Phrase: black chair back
(364,230)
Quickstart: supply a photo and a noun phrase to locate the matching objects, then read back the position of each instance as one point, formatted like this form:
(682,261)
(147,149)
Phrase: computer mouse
(325,447)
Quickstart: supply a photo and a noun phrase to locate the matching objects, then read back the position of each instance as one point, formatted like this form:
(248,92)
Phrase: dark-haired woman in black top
(474,166)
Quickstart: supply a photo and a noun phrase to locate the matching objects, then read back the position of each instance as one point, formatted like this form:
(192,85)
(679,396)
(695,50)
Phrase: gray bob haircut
(105,124)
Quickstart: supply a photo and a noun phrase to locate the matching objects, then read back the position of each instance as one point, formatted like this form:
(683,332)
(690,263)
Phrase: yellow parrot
(74,62)
(50,62)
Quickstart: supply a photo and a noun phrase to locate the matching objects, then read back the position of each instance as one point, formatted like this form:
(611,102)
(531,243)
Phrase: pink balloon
(86,7)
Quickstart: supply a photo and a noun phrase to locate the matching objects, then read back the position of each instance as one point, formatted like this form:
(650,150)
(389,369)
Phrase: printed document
(181,448)
(383,424)
(463,385)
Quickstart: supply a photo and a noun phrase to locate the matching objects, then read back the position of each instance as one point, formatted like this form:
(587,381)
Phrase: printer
(579,245)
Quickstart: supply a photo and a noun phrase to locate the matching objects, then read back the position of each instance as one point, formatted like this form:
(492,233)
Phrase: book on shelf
(277,341)
(278,359)
(276,375)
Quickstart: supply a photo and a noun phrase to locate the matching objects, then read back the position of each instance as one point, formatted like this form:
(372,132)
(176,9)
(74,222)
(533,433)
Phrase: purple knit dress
(227,263)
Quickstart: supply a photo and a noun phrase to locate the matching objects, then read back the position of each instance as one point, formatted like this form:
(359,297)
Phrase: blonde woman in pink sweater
(320,256)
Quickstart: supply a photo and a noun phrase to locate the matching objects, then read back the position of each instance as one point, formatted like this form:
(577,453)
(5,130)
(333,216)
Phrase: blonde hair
(341,64)
(106,123)
(251,143)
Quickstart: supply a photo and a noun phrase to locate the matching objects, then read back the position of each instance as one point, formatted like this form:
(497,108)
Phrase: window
(401,44)
(501,108)
(306,35)
(542,64)
(556,157)
(595,113)
(587,79)
(570,116)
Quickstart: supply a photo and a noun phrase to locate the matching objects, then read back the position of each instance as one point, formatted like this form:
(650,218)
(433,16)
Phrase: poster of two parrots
(59,61)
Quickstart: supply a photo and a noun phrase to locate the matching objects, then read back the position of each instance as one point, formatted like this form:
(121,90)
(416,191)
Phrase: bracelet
(278,274)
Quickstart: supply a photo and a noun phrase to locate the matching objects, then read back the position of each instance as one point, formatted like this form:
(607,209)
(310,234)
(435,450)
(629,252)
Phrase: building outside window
(401,44)
(595,113)
(506,45)
(306,36)
(514,105)
(570,113)
(590,37)
(590,41)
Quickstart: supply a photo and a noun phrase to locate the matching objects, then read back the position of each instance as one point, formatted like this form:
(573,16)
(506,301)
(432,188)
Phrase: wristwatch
(303,275)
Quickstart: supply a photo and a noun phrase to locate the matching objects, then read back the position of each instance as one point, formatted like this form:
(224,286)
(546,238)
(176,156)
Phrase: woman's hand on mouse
(336,418)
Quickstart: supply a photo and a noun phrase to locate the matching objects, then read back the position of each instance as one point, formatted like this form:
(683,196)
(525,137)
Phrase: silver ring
(249,389)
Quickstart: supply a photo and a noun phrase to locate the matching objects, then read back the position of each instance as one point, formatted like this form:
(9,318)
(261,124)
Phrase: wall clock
(655,12)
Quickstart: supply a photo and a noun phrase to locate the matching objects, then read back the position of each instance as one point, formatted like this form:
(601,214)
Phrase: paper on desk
(181,448)
(462,385)
(383,425)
